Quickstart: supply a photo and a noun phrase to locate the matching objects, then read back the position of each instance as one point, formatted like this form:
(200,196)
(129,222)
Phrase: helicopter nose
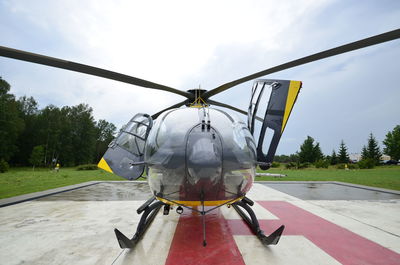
(204,156)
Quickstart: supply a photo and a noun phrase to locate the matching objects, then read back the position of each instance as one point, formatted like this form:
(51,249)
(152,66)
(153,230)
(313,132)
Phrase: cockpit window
(169,131)
(168,136)
(133,135)
(174,126)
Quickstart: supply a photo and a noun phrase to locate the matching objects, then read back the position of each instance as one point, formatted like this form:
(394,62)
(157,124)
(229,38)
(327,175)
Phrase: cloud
(183,44)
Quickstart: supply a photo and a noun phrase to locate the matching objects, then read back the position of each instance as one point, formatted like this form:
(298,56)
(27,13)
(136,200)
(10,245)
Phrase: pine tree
(343,155)
(318,153)
(309,152)
(364,153)
(372,151)
(334,158)
(392,143)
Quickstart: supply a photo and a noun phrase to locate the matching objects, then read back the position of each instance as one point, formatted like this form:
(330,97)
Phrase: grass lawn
(383,177)
(20,181)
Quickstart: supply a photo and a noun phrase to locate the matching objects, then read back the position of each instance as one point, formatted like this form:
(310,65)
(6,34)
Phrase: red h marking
(345,246)
(187,247)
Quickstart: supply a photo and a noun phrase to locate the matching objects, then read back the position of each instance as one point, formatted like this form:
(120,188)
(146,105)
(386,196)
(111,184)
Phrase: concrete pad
(356,223)
(154,247)
(76,227)
(262,213)
(105,191)
(61,232)
(383,215)
(332,191)
(290,250)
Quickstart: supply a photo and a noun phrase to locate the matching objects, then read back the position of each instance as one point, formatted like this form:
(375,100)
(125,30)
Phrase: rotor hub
(197,92)
(196,99)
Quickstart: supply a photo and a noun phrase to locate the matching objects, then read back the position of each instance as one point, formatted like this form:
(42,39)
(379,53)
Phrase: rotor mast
(197,98)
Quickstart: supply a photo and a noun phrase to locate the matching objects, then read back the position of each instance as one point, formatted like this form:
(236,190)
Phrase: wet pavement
(76,226)
(136,191)
(105,191)
(331,191)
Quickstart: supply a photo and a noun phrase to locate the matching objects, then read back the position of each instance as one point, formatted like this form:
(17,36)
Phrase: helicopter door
(124,156)
(276,113)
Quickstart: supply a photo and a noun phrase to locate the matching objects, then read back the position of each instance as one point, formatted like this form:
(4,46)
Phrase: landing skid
(149,212)
(151,208)
(252,222)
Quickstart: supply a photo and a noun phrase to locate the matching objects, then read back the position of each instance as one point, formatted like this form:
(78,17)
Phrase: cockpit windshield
(170,131)
(193,145)
(133,135)
(171,128)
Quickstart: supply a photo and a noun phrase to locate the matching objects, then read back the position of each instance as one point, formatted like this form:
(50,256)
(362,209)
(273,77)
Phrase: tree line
(310,152)
(31,136)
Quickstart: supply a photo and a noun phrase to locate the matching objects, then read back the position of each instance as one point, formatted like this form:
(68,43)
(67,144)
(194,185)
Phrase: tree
(309,152)
(37,155)
(3,166)
(49,122)
(28,106)
(282,158)
(318,153)
(294,158)
(83,133)
(105,132)
(334,158)
(372,151)
(364,153)
(11,124)
(67,134)
(28,138)
(343,155)
(392,143)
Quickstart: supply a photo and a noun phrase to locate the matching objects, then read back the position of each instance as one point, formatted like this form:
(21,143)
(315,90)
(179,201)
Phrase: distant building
(355,157)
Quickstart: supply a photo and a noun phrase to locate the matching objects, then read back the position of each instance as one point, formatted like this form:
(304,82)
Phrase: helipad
(76,227)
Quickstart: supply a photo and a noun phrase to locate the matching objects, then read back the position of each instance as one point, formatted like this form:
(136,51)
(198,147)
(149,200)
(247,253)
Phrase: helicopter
(196,156)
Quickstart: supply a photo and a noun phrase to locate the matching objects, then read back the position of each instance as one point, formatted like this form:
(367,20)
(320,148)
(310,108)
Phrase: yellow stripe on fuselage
(198,203)
(196,106)
(294,89)
(103,165)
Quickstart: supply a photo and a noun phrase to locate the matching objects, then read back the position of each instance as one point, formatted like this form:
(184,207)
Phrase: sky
(187,44)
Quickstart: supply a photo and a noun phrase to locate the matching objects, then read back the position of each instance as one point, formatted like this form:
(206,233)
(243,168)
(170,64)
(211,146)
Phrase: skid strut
(149,212)
(252,222)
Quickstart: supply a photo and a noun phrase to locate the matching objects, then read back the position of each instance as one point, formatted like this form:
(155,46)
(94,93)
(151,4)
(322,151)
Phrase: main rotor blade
(186,101)
(216,103)
(388,36)
(86,69)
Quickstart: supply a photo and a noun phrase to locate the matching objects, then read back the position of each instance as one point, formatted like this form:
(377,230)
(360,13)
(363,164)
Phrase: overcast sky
(184,44)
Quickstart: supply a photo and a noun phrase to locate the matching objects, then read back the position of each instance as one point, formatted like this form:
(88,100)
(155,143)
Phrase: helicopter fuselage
(199,155)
